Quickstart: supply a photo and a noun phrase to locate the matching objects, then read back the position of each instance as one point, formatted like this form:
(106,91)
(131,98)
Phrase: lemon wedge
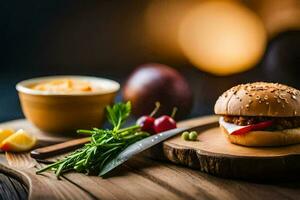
(5,133)
(18,142)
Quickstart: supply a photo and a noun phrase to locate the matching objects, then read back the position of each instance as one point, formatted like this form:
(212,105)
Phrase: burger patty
(279,123)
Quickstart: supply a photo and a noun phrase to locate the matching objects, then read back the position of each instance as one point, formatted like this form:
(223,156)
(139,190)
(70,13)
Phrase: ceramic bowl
(64,113)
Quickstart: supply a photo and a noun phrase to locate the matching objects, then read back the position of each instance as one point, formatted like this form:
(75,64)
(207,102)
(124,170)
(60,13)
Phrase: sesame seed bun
(259,99)
(265,138)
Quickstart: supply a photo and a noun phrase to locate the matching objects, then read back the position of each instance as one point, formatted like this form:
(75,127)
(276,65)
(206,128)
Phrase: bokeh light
(162,20)
(277,15)
(222,37)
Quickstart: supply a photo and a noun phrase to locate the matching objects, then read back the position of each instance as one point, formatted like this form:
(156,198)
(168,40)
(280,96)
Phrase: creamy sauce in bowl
(68,85)
(64,85)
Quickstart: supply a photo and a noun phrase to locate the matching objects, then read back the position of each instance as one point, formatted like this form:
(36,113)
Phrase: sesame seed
(281,96)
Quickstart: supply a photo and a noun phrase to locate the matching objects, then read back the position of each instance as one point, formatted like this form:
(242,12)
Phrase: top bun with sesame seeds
(259,99)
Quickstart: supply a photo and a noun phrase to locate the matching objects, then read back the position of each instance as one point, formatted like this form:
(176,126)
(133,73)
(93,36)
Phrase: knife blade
(140,146)
(148,142)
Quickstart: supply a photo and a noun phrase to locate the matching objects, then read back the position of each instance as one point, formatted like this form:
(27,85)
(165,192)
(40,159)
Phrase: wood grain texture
(213,154)
(141,178)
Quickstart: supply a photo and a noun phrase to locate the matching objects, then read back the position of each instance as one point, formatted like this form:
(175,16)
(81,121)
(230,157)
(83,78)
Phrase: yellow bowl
(64,113)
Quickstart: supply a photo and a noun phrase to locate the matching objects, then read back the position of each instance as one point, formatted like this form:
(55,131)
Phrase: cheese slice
(229,126)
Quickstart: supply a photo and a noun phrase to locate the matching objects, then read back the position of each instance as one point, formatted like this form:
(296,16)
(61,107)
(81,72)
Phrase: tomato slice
(252,127)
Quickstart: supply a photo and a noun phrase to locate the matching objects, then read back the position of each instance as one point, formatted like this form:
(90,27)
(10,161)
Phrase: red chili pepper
(253,127)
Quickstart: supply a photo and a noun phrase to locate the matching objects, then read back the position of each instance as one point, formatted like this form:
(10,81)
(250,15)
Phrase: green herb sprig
(105,144)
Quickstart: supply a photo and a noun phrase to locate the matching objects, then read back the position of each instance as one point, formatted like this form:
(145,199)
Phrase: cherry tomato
(146,123)
(164,123)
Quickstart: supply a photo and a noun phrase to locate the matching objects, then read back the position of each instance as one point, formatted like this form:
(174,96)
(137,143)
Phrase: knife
(53,150)
(146,143)
(56,149)
(138,147)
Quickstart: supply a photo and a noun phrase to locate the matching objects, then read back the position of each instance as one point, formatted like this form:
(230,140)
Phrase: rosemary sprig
(105,144)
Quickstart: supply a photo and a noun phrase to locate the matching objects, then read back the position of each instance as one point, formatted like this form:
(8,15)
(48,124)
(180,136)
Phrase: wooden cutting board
(149,179)
(214,154)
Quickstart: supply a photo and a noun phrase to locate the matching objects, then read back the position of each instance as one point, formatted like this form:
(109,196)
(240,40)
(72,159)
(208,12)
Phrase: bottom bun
(265,138)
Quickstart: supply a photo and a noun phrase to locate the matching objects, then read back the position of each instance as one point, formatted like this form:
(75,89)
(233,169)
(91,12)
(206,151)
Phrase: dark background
(107,39)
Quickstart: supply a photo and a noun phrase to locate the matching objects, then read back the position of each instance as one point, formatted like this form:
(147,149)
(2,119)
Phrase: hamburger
(260,114)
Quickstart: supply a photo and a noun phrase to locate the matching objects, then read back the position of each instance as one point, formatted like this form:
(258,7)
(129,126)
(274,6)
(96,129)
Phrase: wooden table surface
(144,178)
(139,178)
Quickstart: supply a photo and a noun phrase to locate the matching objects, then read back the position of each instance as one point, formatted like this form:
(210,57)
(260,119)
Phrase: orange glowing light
(162,20)
(222,37)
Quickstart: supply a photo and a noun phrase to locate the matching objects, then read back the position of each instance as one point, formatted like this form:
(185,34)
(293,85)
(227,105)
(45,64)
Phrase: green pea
(185,135)
(193,136)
